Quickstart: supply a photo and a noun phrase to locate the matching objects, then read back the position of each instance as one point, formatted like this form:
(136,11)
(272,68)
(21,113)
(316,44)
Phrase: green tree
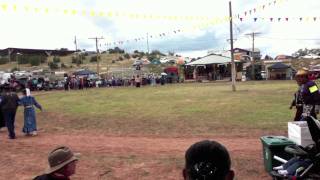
(4,60)
(35,60)
(56,59)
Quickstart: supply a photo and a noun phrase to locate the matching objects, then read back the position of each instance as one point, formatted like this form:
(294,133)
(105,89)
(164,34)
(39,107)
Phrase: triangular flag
(249,11)
(314,18)
(254,10)
(287,19)
(301,19)
(279,19)
(271,19)
(263,6)
(245,13)
(241,19)
(274,2)
(255,19)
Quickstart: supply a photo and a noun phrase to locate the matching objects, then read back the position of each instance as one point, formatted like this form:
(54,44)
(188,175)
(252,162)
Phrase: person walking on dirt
(9,106)
(307,96)
(30,124)
(206,160)
(62,165)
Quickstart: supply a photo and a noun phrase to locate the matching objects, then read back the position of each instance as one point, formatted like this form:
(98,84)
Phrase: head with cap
(302,76)
(62,161)
(207,160)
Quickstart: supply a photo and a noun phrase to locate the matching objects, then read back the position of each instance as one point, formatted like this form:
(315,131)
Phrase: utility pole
(148,42)
(75,42)
(253,34)
(233,70)
(98,53)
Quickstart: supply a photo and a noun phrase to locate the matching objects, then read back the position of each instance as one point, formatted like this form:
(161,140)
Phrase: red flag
(287,19)
(241,19)
(271,19)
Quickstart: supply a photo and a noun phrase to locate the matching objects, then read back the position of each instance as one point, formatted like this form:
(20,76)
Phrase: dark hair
(206,160)
(24,92)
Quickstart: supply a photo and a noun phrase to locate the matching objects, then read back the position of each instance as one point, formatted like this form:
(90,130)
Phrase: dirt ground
(104,156)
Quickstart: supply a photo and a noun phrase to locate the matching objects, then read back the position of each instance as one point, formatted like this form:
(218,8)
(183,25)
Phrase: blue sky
(55,23)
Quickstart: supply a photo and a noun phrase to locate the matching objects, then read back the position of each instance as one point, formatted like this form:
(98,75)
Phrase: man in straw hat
(62,165)
(306,97)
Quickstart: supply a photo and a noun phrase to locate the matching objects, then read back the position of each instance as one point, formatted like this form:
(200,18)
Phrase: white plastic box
(299,133)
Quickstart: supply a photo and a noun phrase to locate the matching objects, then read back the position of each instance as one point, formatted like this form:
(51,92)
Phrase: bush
(63,65)
(4,60)
(135,55)
(15,69)
(127,56)
(35,61)
(94,59)
(53,65)
(78,60)
(23,59)
(120,58)
(56,59)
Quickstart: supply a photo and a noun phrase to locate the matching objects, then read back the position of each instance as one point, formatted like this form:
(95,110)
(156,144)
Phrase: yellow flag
(14,7)
(4,7)
(313,89)
(65,12)
(92,13)
(74,12)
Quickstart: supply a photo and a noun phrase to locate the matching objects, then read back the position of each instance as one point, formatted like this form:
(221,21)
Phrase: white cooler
(299,133)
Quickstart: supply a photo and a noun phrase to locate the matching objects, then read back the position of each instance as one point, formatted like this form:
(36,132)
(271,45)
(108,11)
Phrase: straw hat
(58,158)
(302,72)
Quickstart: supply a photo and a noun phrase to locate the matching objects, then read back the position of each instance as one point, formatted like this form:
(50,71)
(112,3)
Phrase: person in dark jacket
(62,165)
(2,121)
(9,105)
(307,96)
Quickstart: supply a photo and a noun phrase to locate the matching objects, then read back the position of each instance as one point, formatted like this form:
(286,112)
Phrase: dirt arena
(107,156)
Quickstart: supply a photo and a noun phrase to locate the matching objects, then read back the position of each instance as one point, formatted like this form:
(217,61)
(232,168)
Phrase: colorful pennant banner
(280,19)
(260,8)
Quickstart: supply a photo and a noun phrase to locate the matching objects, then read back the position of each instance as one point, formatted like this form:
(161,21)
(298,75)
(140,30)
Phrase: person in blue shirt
(30,124)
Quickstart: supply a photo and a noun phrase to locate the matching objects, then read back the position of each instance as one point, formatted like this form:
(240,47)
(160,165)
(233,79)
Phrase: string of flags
(280,19)
(7,7)
(260,8)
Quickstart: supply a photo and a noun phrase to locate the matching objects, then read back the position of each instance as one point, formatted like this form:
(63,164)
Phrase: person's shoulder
(311,83)
(42,177)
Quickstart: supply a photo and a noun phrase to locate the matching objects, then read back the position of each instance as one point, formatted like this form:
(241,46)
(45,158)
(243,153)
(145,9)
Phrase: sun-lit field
(131,133)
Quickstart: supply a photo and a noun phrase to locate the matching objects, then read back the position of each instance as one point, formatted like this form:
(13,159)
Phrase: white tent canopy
(211,59)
